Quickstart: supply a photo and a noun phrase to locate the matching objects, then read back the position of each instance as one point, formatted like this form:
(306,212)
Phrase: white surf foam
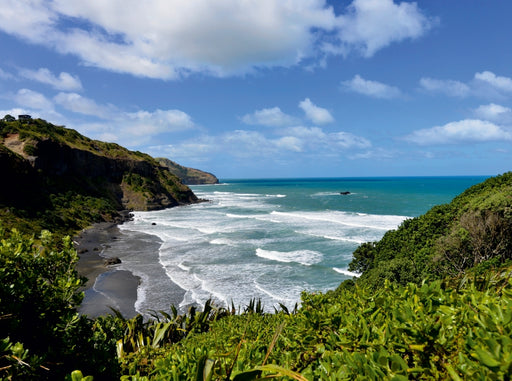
(346,272)
(304,257)
(360,220)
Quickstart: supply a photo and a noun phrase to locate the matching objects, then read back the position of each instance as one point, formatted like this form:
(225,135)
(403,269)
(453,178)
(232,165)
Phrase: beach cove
(264,239)
(112,285)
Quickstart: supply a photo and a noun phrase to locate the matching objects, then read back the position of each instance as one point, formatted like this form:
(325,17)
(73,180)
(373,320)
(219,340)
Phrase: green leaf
(486,358)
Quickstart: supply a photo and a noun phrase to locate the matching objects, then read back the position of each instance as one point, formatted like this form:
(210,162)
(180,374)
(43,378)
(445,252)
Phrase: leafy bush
(437,330)
(42,335)
(448,240)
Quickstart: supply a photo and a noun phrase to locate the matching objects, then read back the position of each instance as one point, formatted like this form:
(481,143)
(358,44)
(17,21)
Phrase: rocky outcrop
(190,176)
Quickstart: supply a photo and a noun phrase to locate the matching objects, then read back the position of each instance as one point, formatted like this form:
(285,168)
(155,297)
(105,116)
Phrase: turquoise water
(272,239)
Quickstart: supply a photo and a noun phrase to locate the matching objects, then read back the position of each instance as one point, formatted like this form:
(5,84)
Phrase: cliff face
(136,183)
(188,175)
(53,173)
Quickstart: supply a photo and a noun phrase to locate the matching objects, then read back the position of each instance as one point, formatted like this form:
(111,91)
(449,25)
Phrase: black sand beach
(113,286)
(118,288)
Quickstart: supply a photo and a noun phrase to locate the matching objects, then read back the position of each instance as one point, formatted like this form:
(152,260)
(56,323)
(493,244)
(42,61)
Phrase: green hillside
(57,179)
(474,231)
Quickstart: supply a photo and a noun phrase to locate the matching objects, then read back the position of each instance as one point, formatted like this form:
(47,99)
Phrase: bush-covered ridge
(54,178)
(474,230)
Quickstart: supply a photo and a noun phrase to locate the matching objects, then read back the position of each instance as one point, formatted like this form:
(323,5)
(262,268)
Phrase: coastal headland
(64,182)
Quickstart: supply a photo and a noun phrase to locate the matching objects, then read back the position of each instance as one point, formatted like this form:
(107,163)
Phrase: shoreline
(122,286)
(118,287)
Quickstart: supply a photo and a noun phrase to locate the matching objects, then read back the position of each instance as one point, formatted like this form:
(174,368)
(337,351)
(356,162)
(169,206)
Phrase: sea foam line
(342,219)
(304,257)
(346,272)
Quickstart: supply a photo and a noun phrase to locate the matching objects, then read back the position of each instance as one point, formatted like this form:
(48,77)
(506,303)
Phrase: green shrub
(42,335)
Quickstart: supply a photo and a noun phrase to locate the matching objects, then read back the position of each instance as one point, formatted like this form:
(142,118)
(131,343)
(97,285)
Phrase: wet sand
(112,286)
(106,286)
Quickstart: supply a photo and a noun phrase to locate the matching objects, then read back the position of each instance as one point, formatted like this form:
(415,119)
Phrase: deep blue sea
(273,239)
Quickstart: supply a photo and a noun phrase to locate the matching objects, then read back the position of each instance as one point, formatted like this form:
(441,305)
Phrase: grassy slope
(35,200)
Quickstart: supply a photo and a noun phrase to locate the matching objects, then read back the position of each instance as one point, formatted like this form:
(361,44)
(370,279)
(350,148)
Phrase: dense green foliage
(41,334)
(474,230)
(432,331)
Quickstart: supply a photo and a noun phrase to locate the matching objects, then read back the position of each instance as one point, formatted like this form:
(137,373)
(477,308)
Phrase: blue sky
(272,88)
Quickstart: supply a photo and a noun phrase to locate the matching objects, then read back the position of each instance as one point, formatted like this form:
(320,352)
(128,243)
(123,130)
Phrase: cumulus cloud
(77,103)
(497,82)
(371,25)
(483,85)
(447,87)
(32,99)
(270,117)
(314,113)
(133,129)
(172,38)
(64,81)
(371,88)
(493,112)
(464,131)
(293,141)
(160,121)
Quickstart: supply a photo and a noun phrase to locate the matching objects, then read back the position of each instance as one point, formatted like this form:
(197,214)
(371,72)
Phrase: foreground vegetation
(434,302)
(458,328)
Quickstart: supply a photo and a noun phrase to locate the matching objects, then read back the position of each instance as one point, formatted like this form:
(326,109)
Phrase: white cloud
(347,140)
(493,112)
(197,150)
(314,113)
(483,85)
(32,99)
(309,133)
(137,128)
(172,38)
(497,82)
(448,87)
(294,143)
(64,81)
(378,153)
(371,88)
(290,143)
(316,139)
(77,103)
(271,117)
(143,123)
(464,131)
(371,25)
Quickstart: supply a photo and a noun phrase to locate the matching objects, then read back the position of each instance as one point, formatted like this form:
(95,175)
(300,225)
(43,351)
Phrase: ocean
(270,239)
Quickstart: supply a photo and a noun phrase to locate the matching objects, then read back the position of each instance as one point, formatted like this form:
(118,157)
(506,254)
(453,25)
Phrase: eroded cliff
(50,172)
